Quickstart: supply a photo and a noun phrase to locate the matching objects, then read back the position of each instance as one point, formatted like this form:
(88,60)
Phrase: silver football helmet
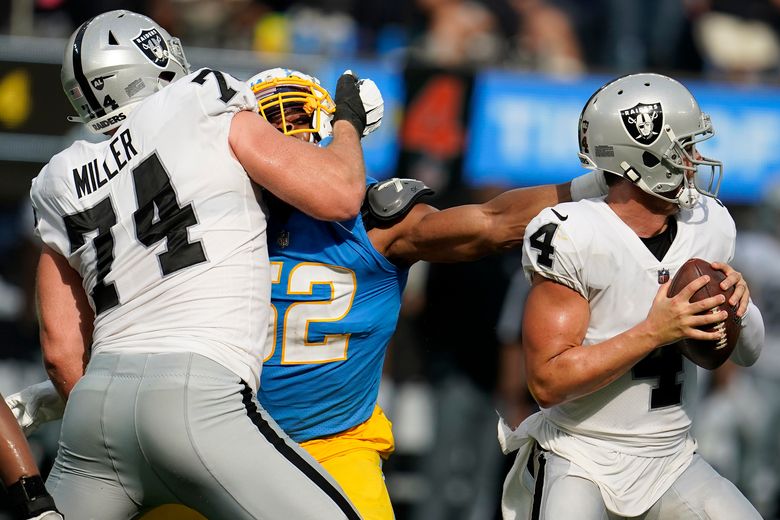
(285,96)
(645,127)
(115,60)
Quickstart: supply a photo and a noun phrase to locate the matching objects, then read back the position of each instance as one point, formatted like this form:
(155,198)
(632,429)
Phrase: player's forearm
(511,212)
(65,362)
(331,181)
(16,461)
(751,338)
(346,173)
(582,370)
(469,232)
(325,183)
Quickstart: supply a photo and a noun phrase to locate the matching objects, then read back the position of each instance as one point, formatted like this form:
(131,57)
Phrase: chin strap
(688,196)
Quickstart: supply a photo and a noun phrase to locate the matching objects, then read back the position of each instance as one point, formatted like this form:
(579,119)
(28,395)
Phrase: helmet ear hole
(650,160)
(167,75)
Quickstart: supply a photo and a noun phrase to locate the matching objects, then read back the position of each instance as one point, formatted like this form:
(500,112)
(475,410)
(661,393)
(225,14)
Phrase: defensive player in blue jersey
(336,294)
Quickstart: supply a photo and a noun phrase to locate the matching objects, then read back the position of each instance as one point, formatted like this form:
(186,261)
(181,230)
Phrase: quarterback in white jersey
(612,439)
(154,281)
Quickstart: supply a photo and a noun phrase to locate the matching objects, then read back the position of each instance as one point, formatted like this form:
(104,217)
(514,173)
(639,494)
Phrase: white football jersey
(587,247)
(165,228)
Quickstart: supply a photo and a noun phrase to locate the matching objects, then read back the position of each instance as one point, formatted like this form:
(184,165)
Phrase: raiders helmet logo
(99,82)
(152,44)
(643,122)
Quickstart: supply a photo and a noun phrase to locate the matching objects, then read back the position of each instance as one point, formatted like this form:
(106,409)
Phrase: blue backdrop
(524,131)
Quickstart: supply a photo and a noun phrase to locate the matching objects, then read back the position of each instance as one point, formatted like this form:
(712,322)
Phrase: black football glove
(349,106)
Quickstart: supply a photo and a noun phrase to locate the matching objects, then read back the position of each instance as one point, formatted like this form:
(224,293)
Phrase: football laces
(720,327)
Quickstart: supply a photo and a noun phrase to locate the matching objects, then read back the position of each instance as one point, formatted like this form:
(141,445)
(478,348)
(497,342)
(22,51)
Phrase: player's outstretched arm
(66,320)
(327,183)
(469,232)
(556,318)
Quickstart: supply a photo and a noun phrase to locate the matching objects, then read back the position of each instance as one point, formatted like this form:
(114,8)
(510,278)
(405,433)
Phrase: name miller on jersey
(89,178)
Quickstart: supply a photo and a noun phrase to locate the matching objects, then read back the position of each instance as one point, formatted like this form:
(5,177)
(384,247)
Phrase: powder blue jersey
(335,307)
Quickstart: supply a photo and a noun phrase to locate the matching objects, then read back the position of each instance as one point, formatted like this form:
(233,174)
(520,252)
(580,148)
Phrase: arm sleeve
(751,338)
(589,186)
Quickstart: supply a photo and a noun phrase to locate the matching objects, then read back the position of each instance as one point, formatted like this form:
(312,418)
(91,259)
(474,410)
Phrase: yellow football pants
(353,458)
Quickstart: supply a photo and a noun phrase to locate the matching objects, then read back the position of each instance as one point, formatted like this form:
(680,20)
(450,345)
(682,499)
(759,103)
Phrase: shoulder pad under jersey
(391,199)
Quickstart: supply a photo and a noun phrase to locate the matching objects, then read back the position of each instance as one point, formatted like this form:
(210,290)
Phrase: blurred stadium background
(481,96)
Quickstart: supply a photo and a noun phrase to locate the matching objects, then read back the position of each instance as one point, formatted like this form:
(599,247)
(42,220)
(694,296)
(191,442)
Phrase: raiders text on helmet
(115,60)
(644,127)
(285,94)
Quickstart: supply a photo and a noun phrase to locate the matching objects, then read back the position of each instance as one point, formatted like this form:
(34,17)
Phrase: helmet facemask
(694,174)
(288,98)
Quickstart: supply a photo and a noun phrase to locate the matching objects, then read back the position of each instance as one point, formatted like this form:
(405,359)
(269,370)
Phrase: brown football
(707,354)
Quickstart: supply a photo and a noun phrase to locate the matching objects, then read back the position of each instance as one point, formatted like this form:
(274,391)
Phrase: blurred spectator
(545,39)
(457,33)
(738,38)
(642,34)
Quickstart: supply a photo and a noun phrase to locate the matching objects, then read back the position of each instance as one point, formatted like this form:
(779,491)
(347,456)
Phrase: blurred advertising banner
(434,130)
(453,129)
(524,131)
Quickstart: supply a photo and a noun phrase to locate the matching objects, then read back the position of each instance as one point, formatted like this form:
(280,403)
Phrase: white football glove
(48,515)
(373,103)
(35,405)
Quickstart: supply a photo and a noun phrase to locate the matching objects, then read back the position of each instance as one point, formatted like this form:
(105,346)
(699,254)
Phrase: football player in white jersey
(613,437)
(154,285)
(26,493)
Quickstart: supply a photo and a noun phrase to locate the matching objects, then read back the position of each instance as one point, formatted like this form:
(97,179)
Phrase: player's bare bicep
(556,319)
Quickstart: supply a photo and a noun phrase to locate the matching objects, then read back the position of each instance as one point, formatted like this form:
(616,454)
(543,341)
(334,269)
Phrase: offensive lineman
(612,439)
(155,276)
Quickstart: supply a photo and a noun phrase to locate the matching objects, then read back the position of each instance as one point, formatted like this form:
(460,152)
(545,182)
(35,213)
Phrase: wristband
(29,497)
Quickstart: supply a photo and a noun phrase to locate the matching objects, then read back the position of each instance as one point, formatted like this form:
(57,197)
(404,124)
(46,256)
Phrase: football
(707,354)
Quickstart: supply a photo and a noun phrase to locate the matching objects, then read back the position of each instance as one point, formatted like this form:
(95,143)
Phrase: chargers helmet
(644,127)
(115,60)
(285,94)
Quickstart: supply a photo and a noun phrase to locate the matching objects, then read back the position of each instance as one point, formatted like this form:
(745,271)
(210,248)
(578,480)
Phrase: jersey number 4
(541,240)
(665,365)
(158,217)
